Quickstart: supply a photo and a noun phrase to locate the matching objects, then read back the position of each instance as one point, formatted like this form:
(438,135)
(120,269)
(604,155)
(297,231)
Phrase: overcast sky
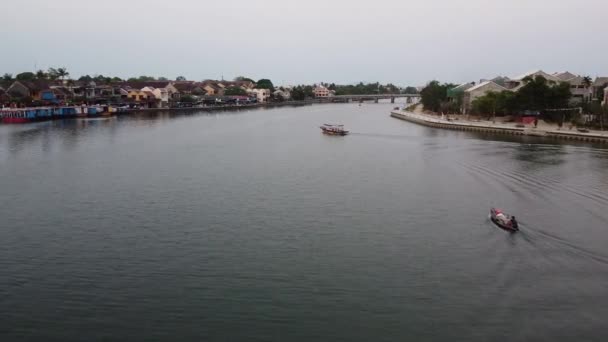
(294,41)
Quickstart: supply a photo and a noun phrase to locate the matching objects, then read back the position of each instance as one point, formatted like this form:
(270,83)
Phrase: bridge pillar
(393,99)
(376,100)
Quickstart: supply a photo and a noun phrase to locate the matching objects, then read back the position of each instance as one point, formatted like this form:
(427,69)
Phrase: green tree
(433,95)
(301,93)
(180,78)
(410,90)
(53,73)
(25,76)
(142,79)
(486,104)
(163,79)
(85,78)
(7,77)
(188,98)
(506,102)
(101,79)
(41,75)
(265,83)
(235,91)
(62,73)
(537,94)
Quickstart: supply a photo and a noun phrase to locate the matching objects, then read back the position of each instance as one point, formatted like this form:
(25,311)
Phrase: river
(253,226)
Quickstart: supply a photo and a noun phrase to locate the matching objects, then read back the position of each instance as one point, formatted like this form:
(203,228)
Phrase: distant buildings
(148,94)
(582,88)
(262,95)
(321,91)
(477,91)
(282,93)
(598,87)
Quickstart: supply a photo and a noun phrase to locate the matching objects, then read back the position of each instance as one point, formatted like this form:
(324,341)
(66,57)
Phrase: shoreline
(429,121)
(19,116)
(226,107)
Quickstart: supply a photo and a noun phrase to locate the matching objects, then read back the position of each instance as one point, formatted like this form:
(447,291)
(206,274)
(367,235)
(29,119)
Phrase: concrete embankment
(427,120)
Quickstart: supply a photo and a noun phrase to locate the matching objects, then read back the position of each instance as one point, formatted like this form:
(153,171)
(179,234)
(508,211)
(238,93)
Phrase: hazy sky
(343,41)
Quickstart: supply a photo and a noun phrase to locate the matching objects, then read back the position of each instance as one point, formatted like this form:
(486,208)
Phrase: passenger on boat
(513,222)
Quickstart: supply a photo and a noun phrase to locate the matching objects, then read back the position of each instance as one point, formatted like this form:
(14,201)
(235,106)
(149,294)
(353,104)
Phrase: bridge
(410,98)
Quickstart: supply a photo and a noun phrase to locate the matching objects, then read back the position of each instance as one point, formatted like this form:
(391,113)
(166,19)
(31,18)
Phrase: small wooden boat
(506,222)
(334,129)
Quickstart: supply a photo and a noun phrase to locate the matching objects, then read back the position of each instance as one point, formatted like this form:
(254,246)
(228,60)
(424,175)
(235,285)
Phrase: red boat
(12,120)
(16,116)
(334,129)
(506,222)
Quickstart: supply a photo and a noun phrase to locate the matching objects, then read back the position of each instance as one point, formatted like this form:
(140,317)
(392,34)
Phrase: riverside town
(52,94)
(559,104)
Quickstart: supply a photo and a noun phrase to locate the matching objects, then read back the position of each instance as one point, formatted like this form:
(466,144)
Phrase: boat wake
(537,236)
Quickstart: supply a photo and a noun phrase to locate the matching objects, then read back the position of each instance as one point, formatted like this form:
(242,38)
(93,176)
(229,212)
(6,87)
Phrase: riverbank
(37,114)
(226,107)
(499,128)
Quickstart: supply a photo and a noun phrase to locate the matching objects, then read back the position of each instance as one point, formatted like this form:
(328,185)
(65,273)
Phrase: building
(282,93)
(579,89)
(262,95)
(189,88)
(605,102)
(31,89)
(144,98)
(160,94)
(54,95)
(456,94)
(500,80)
(172,92)
(517,82)
(598,87)
(321,91)
(211,89)
(564,76)
(477,91)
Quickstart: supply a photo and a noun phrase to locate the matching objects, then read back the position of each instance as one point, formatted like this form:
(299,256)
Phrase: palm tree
(53,74)
(587,81)
(62,73)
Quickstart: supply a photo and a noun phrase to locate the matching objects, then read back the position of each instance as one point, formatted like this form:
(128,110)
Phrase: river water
(253,226)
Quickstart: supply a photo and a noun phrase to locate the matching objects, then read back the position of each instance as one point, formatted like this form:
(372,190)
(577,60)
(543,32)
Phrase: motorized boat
(334,129)
(503,220)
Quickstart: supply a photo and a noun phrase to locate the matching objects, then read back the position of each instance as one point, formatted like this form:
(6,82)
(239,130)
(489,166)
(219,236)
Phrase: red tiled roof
(185,85)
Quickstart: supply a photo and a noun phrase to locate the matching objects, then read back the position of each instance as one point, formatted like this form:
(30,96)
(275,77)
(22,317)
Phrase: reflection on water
(252,225)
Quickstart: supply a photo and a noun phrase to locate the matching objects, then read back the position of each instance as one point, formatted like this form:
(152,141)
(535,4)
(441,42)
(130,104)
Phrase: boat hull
(500,224)
(16,120)
(335,133)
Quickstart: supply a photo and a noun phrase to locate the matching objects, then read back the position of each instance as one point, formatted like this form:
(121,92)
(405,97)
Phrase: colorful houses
(136,93)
